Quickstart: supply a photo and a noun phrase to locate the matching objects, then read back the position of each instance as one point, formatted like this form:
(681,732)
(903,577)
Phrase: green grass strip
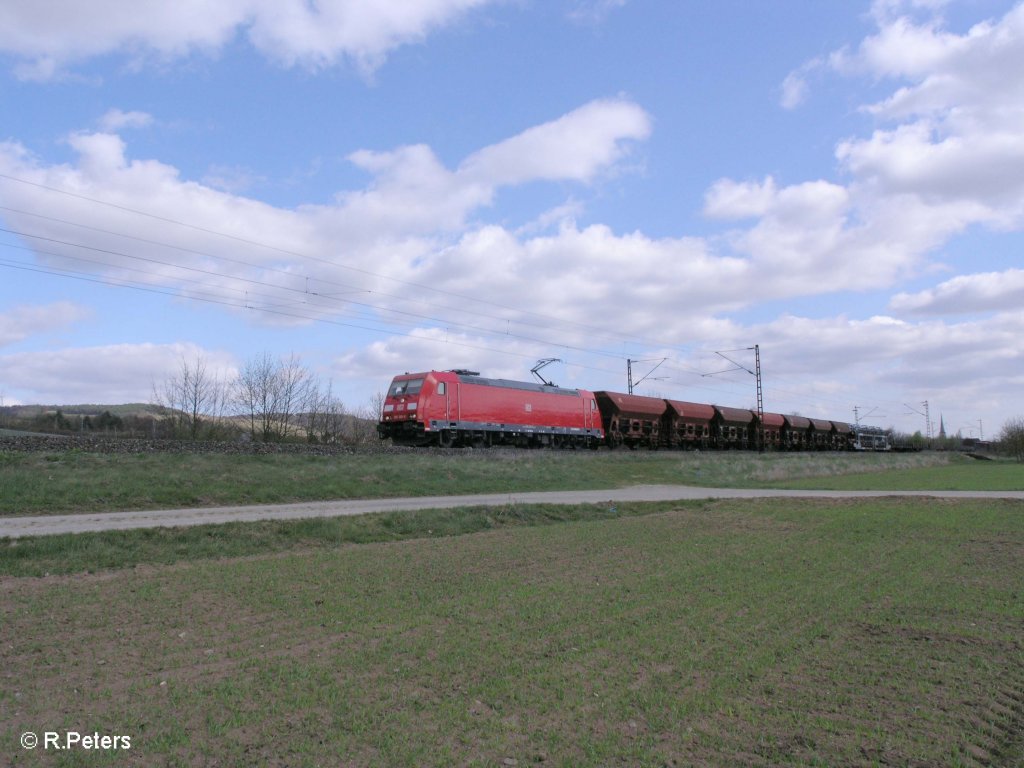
(72,481)
(110,550)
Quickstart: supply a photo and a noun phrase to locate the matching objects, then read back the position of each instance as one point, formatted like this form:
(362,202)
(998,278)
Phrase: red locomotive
(463,408)
(460,407)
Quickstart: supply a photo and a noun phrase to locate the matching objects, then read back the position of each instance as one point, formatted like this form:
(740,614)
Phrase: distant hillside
(144,420)
(124,419)
(21,433)
(123,410)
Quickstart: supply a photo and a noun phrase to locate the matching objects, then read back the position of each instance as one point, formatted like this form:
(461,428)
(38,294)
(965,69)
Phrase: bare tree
(197,398)
(253,395)
(362,425)
(324,414)
(292,383)
(1012,437)
(270,394)
(312,410)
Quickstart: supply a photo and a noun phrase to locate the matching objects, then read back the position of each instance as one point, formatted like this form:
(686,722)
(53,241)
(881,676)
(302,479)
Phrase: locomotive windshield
(407,387)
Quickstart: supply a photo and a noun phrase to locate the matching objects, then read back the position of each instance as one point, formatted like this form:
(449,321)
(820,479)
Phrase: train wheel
(445,439)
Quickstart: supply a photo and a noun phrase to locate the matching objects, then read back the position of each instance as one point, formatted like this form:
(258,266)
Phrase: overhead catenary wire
(207,297)
(243,302)
(215,299)
(405,315)
(265,284)
(292,275)
(300,255)
(264,268)
(335,264)
(293,315)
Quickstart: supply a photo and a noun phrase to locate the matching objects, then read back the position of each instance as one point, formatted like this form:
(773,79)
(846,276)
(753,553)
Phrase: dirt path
(104,521)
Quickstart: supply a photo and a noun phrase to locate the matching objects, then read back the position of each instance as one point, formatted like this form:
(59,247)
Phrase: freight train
(463,408)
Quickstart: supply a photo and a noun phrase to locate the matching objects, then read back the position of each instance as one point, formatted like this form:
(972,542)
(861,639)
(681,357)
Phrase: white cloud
(115,119)
(728,199)
(117,373)
(320,35)
(413,193)
(399,225)
(594,11)
(426,349)
(987,168)
(640,281)
(887,10)
(795,86)
(233,179)
(902,48)
(573,147)
(948,154)
(413,223)
(49,34)
(560,215)
(958,111)
(883,361)
(985,292)
(818,237)
(794,90)
(22,322)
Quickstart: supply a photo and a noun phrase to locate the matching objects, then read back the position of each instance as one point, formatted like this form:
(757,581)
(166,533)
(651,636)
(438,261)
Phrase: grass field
(746,633)
(42,483)
(962,475)
(883,632)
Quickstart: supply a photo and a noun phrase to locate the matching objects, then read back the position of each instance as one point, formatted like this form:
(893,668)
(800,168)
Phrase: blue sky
(484,183)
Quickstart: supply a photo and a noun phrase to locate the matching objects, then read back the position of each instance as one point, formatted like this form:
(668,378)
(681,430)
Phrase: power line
(260,267)
(247,241)
(265,284)
(292,275)
(242,303)
(221,301)
(300,255)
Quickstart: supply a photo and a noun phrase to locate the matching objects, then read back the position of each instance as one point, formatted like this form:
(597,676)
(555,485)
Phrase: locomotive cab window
(408,387)
(440,388)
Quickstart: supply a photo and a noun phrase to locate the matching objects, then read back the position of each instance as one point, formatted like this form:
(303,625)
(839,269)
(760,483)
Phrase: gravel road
(104,521)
